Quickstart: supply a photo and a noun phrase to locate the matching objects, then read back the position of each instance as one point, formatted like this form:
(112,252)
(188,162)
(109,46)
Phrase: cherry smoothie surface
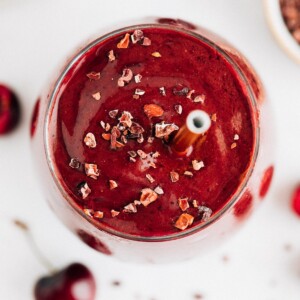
(118,109)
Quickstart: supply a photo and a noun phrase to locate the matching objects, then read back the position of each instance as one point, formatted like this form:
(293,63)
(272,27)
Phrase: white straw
(198,121)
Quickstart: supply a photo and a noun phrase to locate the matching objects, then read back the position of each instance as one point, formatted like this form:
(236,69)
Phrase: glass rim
(235,196)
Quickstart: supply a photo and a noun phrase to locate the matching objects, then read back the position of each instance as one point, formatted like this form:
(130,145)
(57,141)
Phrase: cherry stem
(34,247)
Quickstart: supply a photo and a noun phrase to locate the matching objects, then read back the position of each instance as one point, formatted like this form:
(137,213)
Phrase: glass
(184,244)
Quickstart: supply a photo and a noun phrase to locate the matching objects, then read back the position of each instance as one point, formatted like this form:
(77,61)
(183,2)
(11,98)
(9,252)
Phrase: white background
(35,36)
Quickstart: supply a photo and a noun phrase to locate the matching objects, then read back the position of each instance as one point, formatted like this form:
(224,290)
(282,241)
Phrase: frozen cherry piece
(9,110)
(75,282)
(296,201)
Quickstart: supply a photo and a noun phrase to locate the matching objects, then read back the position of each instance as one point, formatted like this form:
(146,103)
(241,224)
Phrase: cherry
(296,201)
(75,282)
(34,117)
(9,110)
(244,205)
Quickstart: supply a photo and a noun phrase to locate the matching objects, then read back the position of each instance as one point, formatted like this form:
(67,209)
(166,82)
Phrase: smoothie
(118,110)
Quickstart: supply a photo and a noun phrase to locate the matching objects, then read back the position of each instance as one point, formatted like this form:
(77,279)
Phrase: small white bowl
(280,30)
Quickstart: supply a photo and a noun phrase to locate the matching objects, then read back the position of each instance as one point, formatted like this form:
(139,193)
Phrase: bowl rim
(280,30)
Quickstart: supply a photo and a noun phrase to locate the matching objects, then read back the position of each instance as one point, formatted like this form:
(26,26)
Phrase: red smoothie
(119,108)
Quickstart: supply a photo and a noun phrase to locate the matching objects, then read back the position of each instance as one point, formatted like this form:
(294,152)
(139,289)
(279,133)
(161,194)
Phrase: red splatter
(296,201)
(243,206)
(266,182)
(93,242)
(34,118)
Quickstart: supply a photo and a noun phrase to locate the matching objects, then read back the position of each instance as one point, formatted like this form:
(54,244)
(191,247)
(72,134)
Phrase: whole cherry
(9,110)
(75,282)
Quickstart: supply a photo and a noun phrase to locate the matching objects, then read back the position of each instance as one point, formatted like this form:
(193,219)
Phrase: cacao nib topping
(88,212)
(188,173)
(178,109)
(158,190)
(98,214)
(113,113)
(164,130)
(115,133)
(136,128)
(90,140)
(233,145)
(139,92)
(148,196)
(197,165)
(111,55)
(137,36)
(150,178)
(199,98)
(174,176)
(183,92)
(125,119)
(190,94)
(132,153)
(91,170)
(112,184)
(153,110)
(195,203)
(138,78)
(183,203)
(97,96)
(146,42)
(75,163)
(125,78)
(83,189)
(214,117)
(124,43)
(184,221)
(156,54)
(162,90)
(93,75)
(236,137)
(207,212)
(114,213)
(130,208)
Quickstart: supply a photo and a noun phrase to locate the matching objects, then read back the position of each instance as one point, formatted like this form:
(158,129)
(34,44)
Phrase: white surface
(35,36)
(280,30)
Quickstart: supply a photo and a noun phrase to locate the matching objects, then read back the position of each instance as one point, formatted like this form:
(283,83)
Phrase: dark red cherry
(75,282)
(9,110)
